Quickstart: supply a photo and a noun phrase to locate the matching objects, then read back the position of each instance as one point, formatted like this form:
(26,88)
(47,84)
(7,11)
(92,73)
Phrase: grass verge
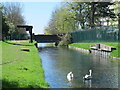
(21,69)
(87,46)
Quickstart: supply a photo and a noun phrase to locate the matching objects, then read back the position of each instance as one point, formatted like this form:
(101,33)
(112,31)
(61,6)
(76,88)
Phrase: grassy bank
(21,69)
(87,46)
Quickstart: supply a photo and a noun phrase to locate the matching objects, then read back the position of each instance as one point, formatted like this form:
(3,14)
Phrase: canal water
(59,61)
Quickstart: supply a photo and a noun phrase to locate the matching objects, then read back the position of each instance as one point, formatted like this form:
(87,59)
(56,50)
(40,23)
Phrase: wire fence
(15,36)
(108,34)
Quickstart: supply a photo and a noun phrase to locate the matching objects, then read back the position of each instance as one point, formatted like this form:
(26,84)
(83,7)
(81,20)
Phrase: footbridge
(41,38)
(46,38)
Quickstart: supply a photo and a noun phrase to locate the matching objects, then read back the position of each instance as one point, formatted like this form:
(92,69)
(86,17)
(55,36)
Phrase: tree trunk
(92,14)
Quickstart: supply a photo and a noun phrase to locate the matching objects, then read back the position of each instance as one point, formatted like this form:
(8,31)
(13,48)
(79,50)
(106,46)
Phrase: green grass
(87,46)
(0,60)
(21,69)
(21,43)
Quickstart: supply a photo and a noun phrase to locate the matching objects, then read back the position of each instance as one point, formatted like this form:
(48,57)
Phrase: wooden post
(30,31)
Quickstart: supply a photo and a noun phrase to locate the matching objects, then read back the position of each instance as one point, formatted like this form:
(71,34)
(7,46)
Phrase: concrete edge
(87,51)
(80,49)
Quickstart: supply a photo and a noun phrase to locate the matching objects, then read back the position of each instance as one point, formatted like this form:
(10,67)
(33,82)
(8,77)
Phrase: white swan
(70,76)
(88,77)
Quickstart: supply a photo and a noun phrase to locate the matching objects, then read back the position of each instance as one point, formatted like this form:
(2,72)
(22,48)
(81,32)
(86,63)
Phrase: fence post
(119,27)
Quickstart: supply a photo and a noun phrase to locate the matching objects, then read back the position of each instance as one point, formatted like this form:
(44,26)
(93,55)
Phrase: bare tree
(14,14)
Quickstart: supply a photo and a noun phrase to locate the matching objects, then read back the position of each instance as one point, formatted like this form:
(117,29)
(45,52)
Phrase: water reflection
(88,83)
(70,83)
(57,62)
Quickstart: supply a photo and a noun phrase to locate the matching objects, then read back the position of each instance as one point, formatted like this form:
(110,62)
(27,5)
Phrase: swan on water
(88,77)
(70,76)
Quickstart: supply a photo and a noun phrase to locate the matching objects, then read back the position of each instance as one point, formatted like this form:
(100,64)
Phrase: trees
(14,13)
(5,27)
(80,15)
(116,8)
(12,16)
(102,11)
(90,14)
(81,10)
(62,21)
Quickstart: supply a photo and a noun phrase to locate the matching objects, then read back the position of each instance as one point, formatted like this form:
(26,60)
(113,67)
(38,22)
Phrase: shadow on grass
(16,43)
(9,84)
(13,84)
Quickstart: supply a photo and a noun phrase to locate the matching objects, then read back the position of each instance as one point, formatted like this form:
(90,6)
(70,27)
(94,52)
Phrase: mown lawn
(87,46)
(21,69)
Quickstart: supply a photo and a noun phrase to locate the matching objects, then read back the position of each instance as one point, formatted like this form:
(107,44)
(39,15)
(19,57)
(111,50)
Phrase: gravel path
(19,40)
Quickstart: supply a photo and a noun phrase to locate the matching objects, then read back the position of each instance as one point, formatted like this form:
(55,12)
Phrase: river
(59,61)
